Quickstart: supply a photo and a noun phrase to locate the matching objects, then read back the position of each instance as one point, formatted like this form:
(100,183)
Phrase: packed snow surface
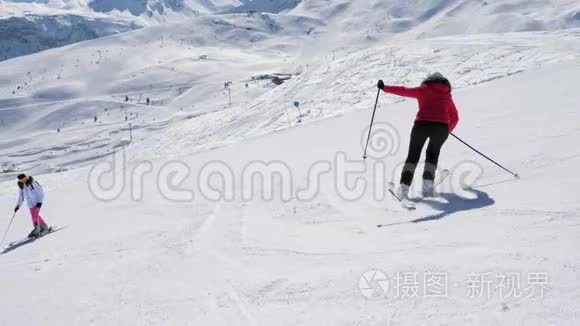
(260,262)
(116,128)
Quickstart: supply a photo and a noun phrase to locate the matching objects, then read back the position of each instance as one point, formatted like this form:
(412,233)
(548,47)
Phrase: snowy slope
(147,258)
(190,110)
(181,67)
(299,262)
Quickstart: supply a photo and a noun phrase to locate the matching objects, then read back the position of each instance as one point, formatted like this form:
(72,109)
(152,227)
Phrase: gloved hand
(39,205)
(381,84)
(16,209)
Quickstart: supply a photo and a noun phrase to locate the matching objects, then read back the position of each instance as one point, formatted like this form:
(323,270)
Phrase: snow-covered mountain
(33,33)
(350,22)
(29,26)
(134,7)
(157,8)
(271,6)
(359,21)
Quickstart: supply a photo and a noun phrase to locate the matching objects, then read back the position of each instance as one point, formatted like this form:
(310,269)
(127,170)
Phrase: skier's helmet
(438,78)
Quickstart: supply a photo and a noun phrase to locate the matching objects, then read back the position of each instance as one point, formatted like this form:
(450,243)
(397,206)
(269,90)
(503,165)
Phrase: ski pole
(371,126)
(8,228)
(287,117)
(480,153)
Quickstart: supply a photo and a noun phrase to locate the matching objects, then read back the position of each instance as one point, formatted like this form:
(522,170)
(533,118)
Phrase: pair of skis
(19,243)
(408,203)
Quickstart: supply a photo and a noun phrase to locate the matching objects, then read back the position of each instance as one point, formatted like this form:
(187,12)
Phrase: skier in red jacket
(437,117)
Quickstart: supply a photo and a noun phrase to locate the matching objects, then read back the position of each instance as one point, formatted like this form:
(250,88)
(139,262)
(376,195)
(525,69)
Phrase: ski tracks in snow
(216,244)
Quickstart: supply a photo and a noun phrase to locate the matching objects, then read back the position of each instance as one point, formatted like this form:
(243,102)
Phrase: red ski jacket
(435,102)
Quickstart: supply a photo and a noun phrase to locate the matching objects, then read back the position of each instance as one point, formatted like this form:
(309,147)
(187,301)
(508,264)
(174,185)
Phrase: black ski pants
(437,134)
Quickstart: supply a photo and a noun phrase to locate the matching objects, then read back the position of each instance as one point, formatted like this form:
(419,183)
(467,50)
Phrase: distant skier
(437,117)
(31,191)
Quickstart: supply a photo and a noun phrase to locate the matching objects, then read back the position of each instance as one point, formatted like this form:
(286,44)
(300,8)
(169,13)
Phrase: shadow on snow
(451,204)
(455,204)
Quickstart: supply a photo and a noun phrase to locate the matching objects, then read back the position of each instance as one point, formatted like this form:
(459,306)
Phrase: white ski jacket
(33,194)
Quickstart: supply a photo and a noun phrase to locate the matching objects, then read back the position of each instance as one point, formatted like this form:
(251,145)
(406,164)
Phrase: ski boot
(44,229)
(35,233)
(403,192)
(428,189)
